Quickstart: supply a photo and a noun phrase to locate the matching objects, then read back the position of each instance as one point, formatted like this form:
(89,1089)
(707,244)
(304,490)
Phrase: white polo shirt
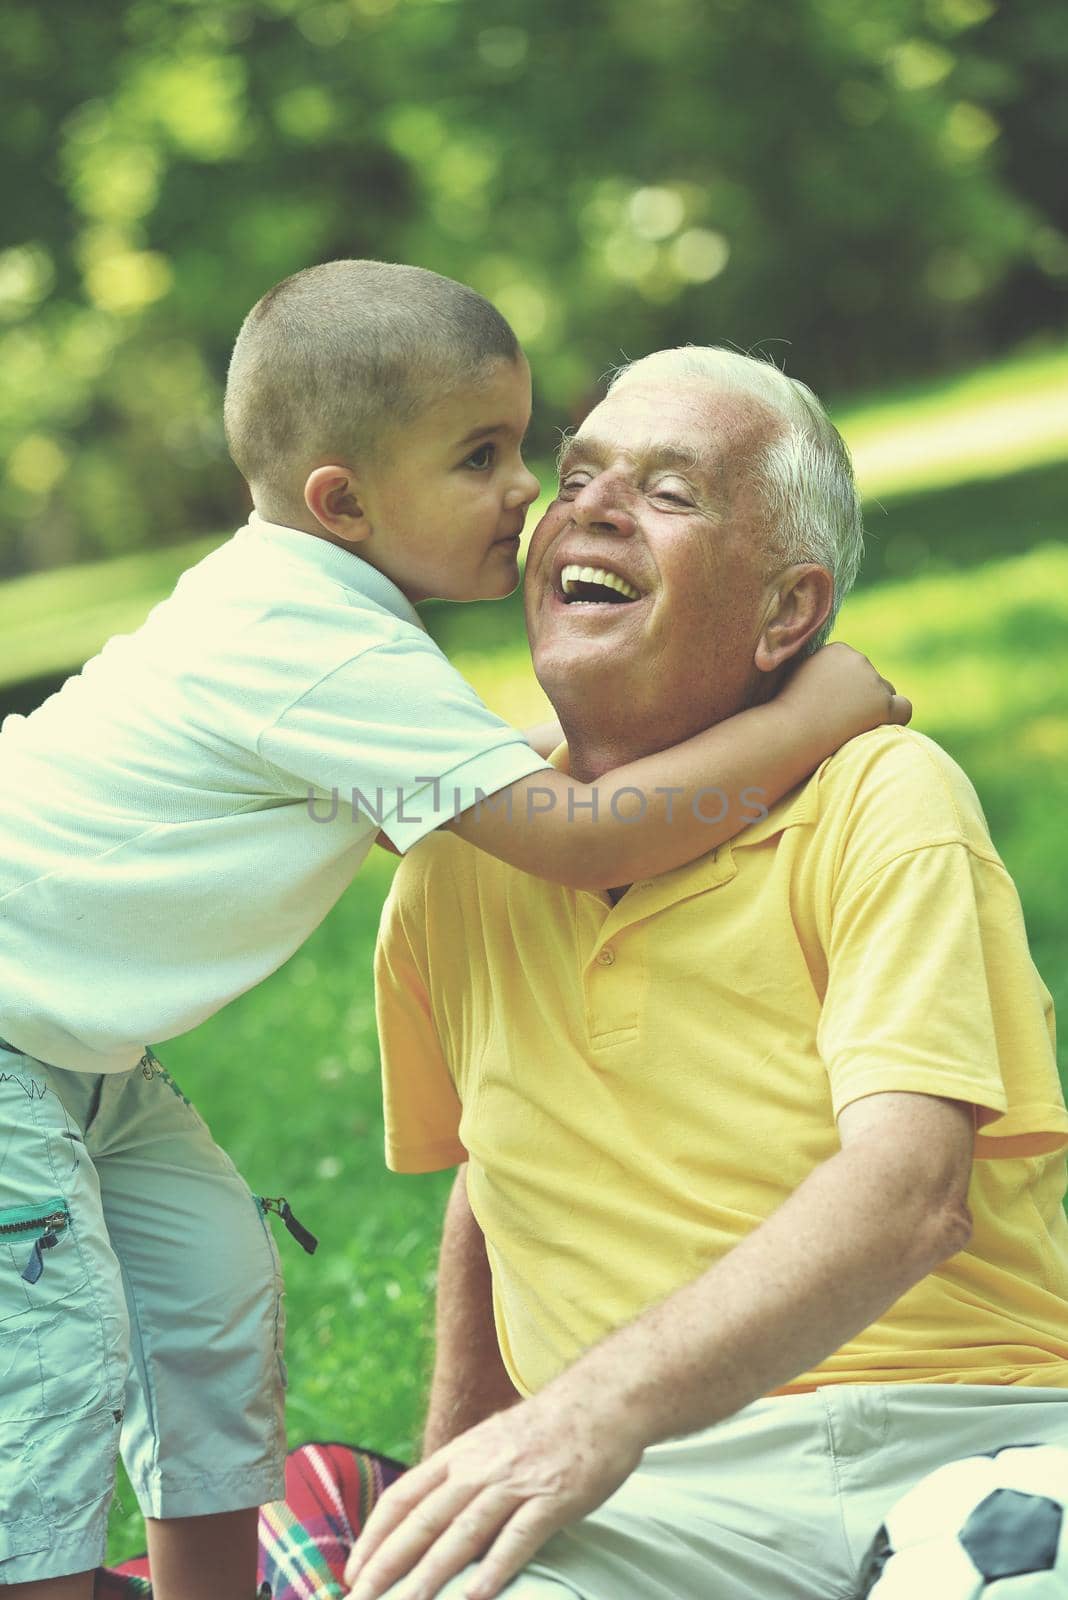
(180,816)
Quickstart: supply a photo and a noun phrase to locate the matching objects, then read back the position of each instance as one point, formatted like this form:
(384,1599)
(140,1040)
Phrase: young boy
(181,816)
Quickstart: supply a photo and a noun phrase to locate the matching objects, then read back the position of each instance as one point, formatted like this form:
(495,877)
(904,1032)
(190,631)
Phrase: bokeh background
(873,197)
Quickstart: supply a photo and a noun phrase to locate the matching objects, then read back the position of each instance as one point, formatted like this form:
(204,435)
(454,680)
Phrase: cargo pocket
(22,1536)
(23,1528)
(29,1235)
(51,1334)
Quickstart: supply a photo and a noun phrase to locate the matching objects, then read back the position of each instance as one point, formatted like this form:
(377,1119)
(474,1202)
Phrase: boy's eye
(482,459)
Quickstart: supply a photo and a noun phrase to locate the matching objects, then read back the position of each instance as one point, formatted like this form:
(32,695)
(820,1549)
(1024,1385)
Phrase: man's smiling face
(655,494)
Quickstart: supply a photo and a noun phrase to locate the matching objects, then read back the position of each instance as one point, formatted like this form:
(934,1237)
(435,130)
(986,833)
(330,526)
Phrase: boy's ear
(333,497)
(801,605)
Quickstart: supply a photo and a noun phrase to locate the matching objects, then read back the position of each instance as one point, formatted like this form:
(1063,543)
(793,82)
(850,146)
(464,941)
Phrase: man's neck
(602,737)
(593,753)
(599,744)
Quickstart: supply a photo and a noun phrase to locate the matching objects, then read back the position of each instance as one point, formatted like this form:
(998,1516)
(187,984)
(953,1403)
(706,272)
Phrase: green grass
(287,1075)
(963,524)
(53,621)
(997,419)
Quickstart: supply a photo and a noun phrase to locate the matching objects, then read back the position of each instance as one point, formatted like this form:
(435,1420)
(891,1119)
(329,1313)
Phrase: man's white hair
(805,474)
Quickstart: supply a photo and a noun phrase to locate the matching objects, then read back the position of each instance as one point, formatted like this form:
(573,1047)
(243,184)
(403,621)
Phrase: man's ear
(801,602)
(334,498)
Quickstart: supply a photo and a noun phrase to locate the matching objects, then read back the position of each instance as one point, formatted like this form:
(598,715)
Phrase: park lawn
(992,420)
(288,1074)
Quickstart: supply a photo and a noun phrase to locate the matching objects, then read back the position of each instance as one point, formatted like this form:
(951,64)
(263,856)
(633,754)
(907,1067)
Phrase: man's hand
(499,1490)
(838,687)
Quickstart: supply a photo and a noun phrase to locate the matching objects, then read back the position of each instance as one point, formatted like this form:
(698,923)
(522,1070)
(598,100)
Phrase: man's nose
(601,505)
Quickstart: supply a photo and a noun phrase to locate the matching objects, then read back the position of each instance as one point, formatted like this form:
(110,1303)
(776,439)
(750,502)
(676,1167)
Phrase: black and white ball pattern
(989,1527)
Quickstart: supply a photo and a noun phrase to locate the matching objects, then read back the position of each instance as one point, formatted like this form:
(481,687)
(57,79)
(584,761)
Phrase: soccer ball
(990,1527)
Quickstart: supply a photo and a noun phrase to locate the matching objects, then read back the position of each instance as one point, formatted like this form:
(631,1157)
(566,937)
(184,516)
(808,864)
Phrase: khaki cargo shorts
(140,1308)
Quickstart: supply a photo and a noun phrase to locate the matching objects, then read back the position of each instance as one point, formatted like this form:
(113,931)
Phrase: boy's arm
(544,737)
(665,810)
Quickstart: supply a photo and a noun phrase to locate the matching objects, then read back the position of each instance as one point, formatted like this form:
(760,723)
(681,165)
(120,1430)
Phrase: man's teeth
(570,576)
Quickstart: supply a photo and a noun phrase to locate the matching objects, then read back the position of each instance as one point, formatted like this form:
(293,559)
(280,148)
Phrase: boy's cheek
(546,530)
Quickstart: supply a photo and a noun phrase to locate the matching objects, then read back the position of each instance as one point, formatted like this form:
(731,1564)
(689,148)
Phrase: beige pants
(781,1501)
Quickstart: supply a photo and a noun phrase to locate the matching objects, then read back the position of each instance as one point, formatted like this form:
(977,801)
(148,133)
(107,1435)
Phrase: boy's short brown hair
(333,358)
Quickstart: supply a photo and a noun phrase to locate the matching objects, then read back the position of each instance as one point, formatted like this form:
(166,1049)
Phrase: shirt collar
(794,810)
(343,566)
(711,871)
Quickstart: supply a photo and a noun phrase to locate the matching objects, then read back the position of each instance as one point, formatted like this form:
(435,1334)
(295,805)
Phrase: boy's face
(447,503)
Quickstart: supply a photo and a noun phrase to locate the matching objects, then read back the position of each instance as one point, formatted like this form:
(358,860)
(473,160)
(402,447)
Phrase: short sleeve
(422,1109)
(931,988)
(397,735)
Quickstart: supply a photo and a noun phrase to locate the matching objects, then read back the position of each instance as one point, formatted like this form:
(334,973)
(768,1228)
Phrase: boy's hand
(840,691)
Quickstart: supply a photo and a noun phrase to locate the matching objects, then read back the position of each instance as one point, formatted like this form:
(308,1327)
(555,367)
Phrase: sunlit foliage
(865,192)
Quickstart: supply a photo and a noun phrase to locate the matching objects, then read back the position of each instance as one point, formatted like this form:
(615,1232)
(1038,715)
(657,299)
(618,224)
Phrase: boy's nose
(526,489)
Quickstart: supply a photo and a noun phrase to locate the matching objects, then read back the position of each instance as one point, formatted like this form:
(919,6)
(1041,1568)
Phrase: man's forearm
(470,1381)
(832,1260)
(850,1241)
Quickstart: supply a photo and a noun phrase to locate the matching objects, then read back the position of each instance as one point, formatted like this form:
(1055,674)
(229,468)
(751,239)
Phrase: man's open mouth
(595,586)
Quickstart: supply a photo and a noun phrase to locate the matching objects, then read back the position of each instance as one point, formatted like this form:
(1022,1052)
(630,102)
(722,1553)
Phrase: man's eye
(482,459)
(675,497)
(573,484)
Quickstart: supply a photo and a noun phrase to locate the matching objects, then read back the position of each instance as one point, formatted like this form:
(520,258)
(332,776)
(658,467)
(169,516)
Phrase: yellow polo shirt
(637,1087)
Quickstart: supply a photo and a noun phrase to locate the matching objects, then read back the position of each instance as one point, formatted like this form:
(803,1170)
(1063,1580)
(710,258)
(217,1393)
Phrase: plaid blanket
(305,1539)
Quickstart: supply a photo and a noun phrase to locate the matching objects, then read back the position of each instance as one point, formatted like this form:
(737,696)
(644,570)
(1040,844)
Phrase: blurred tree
(1018,61)
(853,189)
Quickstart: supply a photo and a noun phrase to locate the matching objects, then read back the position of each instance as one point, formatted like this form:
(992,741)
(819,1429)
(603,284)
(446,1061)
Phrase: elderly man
(759,1212)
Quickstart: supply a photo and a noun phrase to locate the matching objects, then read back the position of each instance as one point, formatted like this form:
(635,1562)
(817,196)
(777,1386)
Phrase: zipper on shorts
(301,1234)
(47,1220)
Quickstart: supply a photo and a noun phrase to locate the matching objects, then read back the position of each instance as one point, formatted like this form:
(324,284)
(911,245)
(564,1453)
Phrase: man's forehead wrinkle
(655,452)
(738,415)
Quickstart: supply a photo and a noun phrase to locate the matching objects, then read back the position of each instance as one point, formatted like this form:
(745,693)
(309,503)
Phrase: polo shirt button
(607,956)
